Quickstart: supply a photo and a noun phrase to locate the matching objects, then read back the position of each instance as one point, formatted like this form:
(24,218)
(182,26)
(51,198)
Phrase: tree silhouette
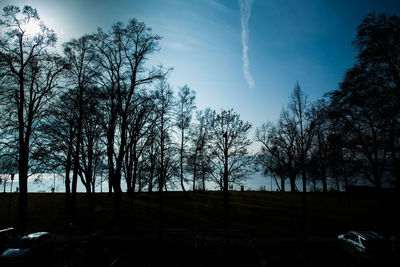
(199,156)
(228,143)
(141,123)
(121,57)
(30,74)
(304,128)
(80,74)
(184,109)
(92,151)
(367,101)
(318,164)
(227,125)
(59,131)
(167,167)
(378,46)
(278,151)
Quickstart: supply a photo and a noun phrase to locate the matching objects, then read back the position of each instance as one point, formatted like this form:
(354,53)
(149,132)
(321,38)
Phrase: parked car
(6,236)
(363,244)
(28,249)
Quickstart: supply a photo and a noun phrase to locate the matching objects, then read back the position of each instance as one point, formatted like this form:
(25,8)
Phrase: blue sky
(288,41)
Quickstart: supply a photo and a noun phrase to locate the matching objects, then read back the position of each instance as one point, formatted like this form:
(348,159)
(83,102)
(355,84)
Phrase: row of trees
(98,111)
(351,136)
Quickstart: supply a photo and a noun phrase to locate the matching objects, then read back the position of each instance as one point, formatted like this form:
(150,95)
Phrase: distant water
(45,182)
(267,183)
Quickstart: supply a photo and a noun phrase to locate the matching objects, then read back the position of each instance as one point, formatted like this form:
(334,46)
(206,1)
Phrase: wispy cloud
(245,12)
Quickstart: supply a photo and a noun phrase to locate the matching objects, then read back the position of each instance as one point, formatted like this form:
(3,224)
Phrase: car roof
(368,235)
(36,235)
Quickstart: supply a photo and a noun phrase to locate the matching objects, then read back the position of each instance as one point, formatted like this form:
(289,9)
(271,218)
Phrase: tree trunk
(128,173)
(160,184)
(304,204)
(77,151)
(292,180)
(68,180)
(110,149)
(140,185)
(23,160)
(226,195)
(181,162)
(93,187)
(85,183)
(75,178)
(150,189)
(203,178)
(194,171)
(135,168)
(117,199)
(118,170)
(89,176)
(68,166)
(324,183)
(23,190)
(337,183)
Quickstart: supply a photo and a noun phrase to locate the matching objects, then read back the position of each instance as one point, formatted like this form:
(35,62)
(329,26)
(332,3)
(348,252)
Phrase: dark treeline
(98,113)
(351,136)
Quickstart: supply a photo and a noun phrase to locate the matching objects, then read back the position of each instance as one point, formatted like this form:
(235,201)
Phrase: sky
(244,55)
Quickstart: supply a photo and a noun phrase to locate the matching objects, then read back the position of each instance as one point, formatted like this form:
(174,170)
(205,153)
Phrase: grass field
(262,214)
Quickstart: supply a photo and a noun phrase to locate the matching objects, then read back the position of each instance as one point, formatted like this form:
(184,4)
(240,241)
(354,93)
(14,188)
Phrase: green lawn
(262,214)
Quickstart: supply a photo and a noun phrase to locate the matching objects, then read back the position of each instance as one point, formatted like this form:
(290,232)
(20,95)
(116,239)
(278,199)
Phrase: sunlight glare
(32,28)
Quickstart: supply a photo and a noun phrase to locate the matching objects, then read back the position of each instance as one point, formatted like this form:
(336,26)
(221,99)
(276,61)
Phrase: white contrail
(245,11)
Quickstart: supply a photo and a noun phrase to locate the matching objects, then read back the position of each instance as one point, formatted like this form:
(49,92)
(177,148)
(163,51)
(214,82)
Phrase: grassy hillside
(262,214)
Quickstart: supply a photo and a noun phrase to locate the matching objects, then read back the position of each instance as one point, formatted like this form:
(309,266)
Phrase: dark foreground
(266,229)
(185,249)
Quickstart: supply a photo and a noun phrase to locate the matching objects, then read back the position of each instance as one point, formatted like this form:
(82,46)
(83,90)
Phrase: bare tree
(164,103)
(278,151)
(228,144)
(367,101)
(31,74)
(60,133)
(80,74)
(326,162)
(199,155)
(184,110)
(149,159)
(304,127)
(92,152)
(8,167)
(121,57)
(230,158)
(317,165)
(141,123)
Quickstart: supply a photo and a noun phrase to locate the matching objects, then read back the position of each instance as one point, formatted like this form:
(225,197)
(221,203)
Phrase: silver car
(28,248)
(363,244)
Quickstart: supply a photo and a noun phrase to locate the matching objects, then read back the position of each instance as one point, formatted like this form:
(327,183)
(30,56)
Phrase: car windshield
(22,243)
